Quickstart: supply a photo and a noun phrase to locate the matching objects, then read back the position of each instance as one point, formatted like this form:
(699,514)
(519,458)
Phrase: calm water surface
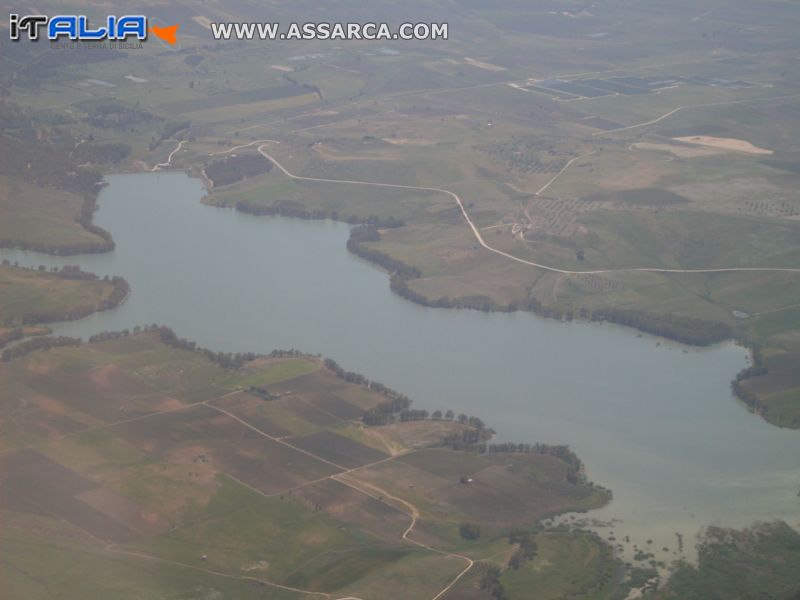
(652,420)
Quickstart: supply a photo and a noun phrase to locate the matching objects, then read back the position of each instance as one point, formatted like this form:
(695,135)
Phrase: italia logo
(77,27)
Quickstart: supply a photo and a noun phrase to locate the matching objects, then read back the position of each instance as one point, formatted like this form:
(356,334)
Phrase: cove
(654,421)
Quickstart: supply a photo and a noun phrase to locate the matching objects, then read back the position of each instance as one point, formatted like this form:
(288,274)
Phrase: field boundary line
(561,172)
(274,439)
(645,124)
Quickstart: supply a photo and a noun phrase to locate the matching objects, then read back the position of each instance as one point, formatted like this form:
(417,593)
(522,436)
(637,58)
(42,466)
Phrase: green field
(40,216)
(28,296)
(38,569)
(590,572)
(566,564)
(759,562)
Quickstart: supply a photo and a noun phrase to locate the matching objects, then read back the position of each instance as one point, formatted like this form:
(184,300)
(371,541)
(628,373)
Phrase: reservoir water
(652,420)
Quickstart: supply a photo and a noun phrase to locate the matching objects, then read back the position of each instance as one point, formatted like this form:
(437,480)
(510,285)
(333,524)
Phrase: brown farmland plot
(338,449)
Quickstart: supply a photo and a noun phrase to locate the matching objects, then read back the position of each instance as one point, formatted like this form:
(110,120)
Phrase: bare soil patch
(679,150)
(729,144)
(122,510)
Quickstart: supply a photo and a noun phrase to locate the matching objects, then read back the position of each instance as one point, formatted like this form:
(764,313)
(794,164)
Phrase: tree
(490,581)
(437,415)
(527,547)
(469,531)
(476,423)
(516,560)
(490,576)
(449,415)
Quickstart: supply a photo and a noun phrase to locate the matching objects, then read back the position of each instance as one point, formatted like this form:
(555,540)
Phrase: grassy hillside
(39,217)
(28,296)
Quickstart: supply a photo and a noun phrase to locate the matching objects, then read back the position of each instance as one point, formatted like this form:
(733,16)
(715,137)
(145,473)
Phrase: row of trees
(226,360)
(297,210)
(526,542)
(490,580)
(291,353)
(170,338)
(688,330)
(105,336)
(475,440)
(36,344)
(757,369)
(468,439)
(119,291)
(17,333)
(356,244)
(382,413)
(413,414)
(349,376)
(11,335)
(398,407)
(236,168)
(401,273)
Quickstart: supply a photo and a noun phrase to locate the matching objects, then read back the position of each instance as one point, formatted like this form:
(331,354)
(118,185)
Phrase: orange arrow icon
(165,33)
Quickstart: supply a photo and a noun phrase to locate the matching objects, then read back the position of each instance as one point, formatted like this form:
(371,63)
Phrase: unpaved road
(483,243)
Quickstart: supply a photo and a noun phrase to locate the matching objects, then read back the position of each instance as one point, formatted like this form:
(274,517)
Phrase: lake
(653,420)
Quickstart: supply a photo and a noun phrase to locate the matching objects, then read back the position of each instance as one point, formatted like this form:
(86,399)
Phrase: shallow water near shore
(654,421)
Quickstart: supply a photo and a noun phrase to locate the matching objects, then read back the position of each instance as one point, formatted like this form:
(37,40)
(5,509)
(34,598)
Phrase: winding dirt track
(160,166)
(345,476)
(413,513)
(483,243)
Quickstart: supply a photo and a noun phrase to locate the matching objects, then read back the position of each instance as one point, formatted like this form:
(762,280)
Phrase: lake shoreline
(400,274)
(296,287)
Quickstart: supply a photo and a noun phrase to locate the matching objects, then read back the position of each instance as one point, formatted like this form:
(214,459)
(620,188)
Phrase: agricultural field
(151,461)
